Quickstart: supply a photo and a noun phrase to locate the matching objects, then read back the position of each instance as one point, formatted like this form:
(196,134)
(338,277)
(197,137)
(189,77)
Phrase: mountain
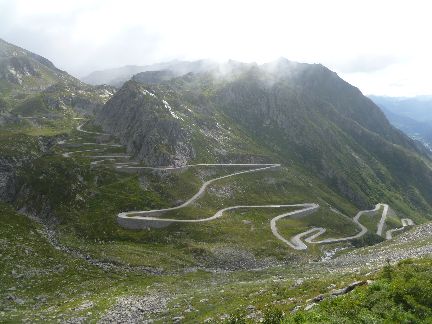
(298,114)
(154,76)
(117,76)
(31,86)
(22,70)
(62,98)
(228,242)
(418,108)
(413,116)
(420,131)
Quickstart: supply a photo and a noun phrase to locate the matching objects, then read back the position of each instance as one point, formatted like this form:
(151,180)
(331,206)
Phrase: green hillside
(242,153)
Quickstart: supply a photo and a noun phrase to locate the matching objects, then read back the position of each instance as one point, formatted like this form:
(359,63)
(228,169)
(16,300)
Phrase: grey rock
(85,305)
(310,306)
(224,317)
(148,125)
(318,298)
(338,292)
(177,319)
(298,282)
(15,299)
(347,289)
(250,308)
(134,309)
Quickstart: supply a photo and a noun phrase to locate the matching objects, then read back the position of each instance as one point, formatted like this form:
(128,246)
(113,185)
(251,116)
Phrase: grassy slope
(91,197)
(35,271)
(401,294)
(88,203)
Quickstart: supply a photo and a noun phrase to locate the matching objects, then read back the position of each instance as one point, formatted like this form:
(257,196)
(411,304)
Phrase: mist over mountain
(303,114)
(117,76)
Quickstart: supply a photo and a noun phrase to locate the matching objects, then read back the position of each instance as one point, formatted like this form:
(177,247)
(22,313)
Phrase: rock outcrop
(25,150)
(148,125)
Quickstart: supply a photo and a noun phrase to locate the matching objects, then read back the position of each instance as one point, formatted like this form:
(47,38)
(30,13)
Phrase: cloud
(367,63)
(351,37)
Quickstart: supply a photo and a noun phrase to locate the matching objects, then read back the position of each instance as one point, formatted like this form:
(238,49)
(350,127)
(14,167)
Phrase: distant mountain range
(411,115)
(418,108)
(118,76)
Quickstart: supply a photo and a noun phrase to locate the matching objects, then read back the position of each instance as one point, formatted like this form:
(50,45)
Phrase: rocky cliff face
(17,154)
(149,125)
(315,119)
(62,99)
(8,179)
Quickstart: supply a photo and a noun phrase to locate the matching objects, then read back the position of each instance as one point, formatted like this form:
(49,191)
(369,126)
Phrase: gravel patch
(411,244)
(135,309)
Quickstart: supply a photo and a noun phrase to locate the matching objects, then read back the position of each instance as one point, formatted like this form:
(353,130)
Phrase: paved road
(146,213)
(405,222)
(103,144)
(318,231)
(127,166)
(68,154)
(79,128)
(383,219)
(151,218)
(296,242)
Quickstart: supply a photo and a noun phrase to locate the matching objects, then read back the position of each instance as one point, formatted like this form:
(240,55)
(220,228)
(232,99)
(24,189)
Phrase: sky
(382,47)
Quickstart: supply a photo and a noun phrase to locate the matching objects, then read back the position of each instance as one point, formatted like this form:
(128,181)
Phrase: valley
(146,220)
(268,193)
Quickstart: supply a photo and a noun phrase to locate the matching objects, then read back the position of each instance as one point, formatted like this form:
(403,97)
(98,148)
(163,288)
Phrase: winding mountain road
(319,230)
(105,145)
(79,128)
(68,154)
(152,218)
